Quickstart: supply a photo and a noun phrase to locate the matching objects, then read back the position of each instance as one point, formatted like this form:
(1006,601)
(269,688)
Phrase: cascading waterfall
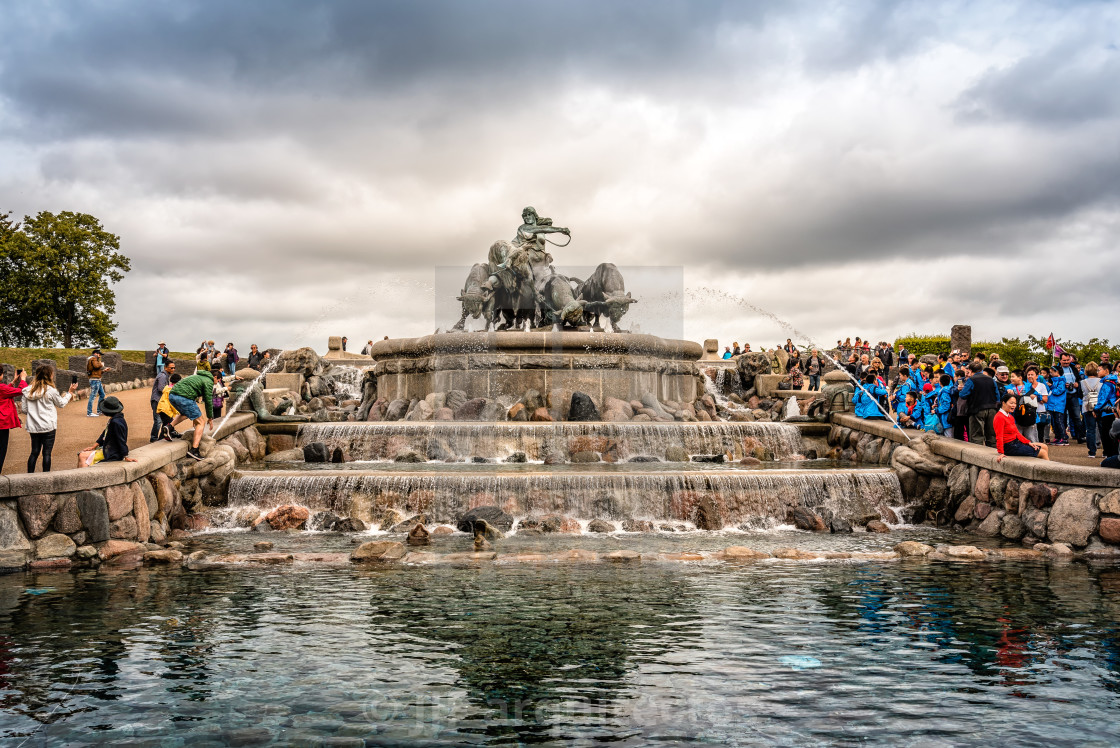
(348,381)
(745,497)
(384,441)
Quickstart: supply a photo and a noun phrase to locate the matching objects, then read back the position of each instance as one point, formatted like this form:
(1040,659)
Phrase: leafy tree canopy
(56,276)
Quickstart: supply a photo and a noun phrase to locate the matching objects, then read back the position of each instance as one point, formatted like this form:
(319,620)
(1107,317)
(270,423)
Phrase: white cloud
(280,173)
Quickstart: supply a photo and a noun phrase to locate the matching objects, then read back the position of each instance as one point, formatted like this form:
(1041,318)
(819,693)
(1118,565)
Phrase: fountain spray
(808,342)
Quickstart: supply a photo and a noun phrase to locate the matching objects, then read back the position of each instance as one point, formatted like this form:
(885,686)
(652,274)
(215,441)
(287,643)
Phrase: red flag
(1050,342)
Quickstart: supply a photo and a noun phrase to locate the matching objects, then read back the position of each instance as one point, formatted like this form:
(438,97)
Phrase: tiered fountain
(546,413)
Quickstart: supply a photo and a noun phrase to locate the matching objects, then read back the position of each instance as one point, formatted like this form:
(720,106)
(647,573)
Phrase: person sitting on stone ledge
(865,399)
(727,353)
(736,350)
(112,445)
(1113,461)
(911,414)
(1008,439)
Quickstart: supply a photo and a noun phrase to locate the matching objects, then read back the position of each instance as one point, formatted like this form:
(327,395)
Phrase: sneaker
(92,415)
(173,433)
(192,452)
(163,434)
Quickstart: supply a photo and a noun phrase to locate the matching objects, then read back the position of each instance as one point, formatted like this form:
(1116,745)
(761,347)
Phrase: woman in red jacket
(9,419)
(1008,439)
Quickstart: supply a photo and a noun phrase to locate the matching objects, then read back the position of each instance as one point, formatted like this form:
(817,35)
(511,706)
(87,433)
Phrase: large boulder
(492,515)
(37,511)
(11,532)
(378,550)
(806,519)
(66,519)
(303,361)
(1073,518)
(1110,530)
(750,365)
(316,452)
(1110,502)
(55,545)
(287,517)
(396,410)
(709,515)
(471,410)
(94,513)
(120,501)
(583,408)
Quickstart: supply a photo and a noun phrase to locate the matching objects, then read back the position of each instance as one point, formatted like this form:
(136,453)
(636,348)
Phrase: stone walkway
(76,431)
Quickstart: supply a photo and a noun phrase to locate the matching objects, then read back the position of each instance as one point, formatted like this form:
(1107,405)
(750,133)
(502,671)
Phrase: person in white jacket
(42,401)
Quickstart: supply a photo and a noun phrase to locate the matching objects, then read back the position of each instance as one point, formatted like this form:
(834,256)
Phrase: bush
(1013,351)
(921,345)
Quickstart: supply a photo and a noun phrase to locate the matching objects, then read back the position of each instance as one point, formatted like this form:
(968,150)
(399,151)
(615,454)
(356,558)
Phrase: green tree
(22,309)
(61,268)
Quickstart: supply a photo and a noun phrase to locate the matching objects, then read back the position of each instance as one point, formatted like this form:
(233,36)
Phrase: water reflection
(763,653)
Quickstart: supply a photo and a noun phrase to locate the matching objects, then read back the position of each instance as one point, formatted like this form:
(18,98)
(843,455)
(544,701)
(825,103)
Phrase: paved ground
(76,431)
(1076,454)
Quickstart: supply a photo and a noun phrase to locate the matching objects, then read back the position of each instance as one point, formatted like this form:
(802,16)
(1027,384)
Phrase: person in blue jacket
(916,378)
(946,365)
(1105,409)
(905,384)
(1056,405)
(910,413)
(944,405)
(865,398)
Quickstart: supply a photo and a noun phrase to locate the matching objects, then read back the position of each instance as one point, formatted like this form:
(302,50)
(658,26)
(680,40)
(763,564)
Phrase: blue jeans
(1073,417)
(1090,420)
(1058,423)
(96,389)
(814,382)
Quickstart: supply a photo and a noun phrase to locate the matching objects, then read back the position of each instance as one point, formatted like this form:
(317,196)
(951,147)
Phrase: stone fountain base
(492,365)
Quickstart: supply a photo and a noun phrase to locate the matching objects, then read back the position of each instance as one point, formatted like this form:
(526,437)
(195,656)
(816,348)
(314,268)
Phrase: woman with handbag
(1035,396)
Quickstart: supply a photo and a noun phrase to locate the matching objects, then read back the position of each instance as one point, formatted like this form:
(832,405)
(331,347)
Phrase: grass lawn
(21,358)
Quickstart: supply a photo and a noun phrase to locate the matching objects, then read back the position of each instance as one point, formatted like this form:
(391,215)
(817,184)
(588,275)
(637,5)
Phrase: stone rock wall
(949,492)
(88,527)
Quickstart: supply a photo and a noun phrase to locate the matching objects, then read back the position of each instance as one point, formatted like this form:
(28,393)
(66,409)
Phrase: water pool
(766,653)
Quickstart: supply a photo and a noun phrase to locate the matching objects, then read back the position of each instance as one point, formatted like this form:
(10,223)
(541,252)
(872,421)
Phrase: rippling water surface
(765,653)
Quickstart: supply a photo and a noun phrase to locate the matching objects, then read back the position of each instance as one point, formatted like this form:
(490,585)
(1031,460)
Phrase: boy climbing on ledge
(184,398)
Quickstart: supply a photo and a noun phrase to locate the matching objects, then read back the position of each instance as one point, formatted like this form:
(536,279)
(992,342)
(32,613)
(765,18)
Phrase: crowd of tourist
(1020,412)
(175,399)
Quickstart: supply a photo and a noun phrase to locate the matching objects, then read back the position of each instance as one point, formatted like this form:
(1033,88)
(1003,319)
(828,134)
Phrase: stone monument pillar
(711,350)
(960,339)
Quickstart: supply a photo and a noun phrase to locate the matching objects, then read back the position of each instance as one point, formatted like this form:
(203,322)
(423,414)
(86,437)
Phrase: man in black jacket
(982,395)
(162,380)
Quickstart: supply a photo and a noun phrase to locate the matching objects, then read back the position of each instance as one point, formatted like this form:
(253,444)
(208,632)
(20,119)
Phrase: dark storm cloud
(319,150)
(1073,82)
(163,67)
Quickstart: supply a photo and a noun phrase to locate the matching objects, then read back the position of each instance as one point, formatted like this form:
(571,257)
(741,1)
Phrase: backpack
(1025,414)
(1091,395)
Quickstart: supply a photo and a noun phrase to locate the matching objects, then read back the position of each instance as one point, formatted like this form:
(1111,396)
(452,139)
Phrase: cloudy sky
(282,171)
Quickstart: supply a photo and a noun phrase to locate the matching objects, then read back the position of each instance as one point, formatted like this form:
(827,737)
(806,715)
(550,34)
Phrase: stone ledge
(536,343)
(149,458)
(985,457)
